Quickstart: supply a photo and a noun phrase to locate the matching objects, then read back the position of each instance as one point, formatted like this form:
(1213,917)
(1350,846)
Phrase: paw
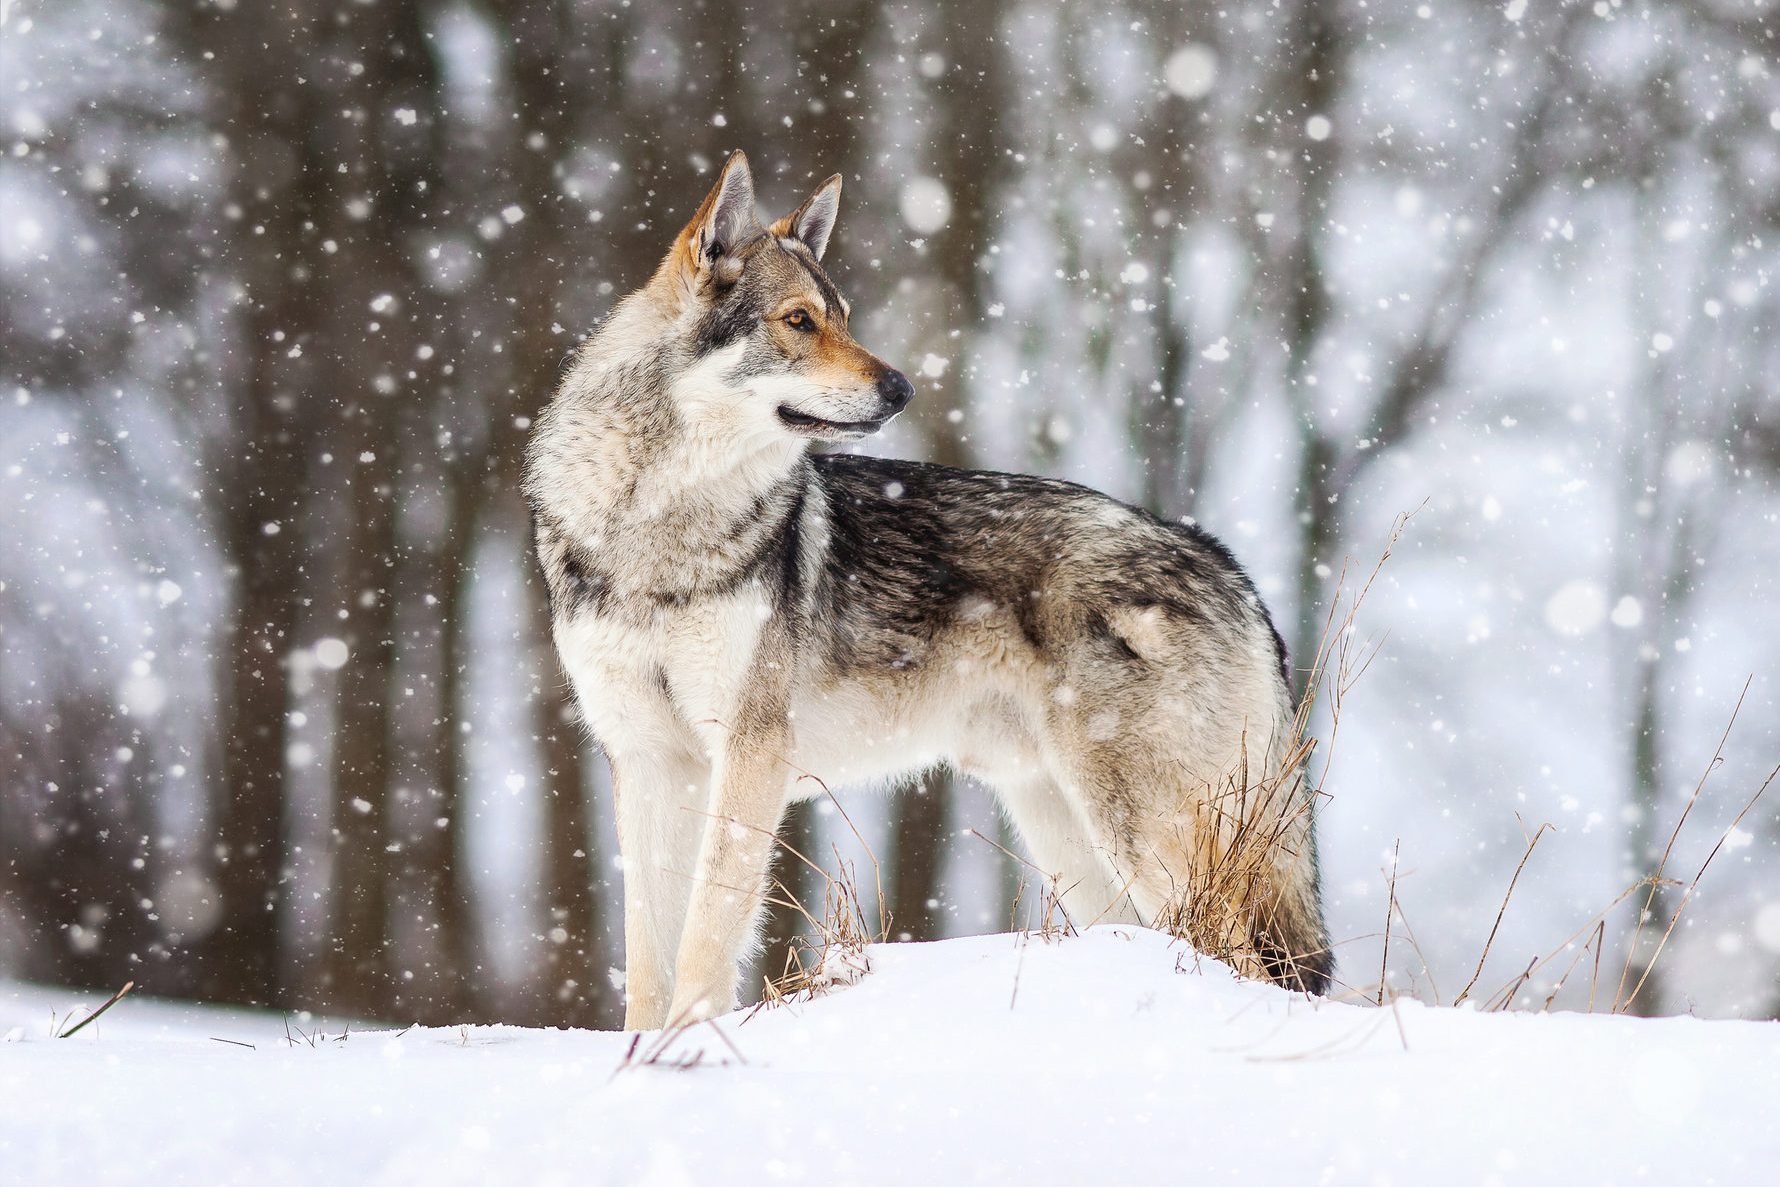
(644,1014)
(645,1003)
(691,1009)
(700,999)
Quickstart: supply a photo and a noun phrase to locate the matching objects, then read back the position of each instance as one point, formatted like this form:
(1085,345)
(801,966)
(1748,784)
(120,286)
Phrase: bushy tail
(1253,895)
(1291,940)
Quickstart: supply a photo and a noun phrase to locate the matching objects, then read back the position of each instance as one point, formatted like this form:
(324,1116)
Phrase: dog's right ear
(725,220)
(813,222)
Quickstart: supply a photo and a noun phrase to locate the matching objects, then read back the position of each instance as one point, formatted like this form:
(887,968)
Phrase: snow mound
(1115,1057)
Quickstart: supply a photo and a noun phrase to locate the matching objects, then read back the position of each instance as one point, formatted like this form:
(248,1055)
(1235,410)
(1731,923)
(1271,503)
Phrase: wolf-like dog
(736,613)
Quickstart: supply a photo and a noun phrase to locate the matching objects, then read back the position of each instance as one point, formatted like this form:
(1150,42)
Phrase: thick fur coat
(737,613)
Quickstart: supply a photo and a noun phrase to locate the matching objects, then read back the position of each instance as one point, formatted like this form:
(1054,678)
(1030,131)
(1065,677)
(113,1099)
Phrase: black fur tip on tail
(1311,969)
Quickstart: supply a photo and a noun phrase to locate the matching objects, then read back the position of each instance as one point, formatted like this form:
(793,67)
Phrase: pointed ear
(725,220)
(813,222)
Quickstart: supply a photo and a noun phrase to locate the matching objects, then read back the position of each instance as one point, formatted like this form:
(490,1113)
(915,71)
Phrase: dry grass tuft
(63,1031)
(665,1052)
(1627,990)
(1225,905)
(1589,942)
(834,950)
(1228,907)
(1053,921)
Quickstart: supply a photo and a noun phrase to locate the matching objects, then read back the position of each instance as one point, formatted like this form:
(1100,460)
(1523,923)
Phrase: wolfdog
(736,613)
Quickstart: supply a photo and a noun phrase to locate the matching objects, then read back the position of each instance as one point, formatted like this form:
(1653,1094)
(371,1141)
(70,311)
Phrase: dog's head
(765,325)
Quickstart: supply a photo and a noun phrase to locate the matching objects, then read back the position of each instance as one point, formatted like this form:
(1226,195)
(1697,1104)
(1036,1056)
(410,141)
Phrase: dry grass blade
(1651,885)
(1596,921)
(1336,644)
(630,1055)
(1503,910)
(1052,907)
(877,870)
(109,1002)
(659,1053)
(1225,909)
(1117,898)
(1687,895)
(1505,997)
(1415,946)
(835,950)
(1342,1044)
(1390,908)
(1655,881)
(1593,942)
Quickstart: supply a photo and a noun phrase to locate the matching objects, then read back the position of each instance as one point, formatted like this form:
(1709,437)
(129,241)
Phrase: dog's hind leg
(1145,851)
(1227,864)
(1062,847)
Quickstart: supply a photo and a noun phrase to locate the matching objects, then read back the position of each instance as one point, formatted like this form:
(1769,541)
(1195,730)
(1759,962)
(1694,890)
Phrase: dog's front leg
(749,794)
(660,797)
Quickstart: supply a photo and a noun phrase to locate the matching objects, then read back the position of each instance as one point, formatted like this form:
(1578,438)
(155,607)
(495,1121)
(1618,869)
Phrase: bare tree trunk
(569,988)
(457,941)
(370,336)
(356,973)
(1319,536)
(1311,76)
(1644,842)
(75,849)
(292,146)
(1170,471)
(919,848)
(579,994)
(240,960)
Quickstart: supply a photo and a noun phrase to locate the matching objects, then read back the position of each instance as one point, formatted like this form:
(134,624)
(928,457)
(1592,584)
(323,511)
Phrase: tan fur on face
(829,355)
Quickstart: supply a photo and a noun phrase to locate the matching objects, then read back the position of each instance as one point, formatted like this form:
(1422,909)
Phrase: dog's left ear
(725,221)
(813,222)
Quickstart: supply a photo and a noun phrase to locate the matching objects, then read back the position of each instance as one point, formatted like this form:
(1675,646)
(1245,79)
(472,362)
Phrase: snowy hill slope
(1116,1057)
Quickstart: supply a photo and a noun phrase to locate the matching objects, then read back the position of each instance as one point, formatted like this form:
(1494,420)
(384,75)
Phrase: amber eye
(797,319)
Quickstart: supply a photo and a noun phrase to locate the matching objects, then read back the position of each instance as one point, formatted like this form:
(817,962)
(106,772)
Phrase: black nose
(895,390)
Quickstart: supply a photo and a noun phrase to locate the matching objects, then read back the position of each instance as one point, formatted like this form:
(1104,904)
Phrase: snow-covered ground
(1115,1057)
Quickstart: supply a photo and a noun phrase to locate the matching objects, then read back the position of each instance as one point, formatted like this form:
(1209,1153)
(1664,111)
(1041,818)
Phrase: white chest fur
(686,663)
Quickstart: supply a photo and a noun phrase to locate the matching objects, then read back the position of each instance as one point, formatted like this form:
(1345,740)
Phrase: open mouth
(815,426)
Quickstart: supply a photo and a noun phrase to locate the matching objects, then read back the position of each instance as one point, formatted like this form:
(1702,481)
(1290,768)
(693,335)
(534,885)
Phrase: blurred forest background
(283,285)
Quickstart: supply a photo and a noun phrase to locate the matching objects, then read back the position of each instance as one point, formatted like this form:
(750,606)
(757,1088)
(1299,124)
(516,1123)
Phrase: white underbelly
(847,736)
